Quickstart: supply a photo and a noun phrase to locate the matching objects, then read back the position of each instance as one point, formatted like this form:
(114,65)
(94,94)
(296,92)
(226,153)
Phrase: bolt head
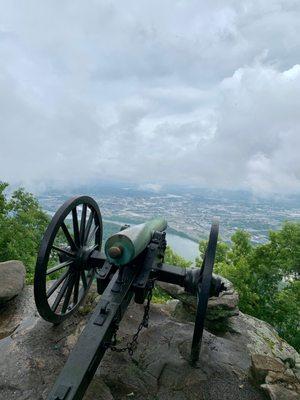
(115,251)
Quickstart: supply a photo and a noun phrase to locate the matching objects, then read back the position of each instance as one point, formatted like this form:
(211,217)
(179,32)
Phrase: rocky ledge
(246,362)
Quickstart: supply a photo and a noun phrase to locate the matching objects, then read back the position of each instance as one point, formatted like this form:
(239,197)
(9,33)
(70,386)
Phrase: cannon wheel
(204,291)
(63,258)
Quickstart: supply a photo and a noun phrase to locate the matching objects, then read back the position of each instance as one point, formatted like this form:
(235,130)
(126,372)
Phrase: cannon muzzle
(122,247)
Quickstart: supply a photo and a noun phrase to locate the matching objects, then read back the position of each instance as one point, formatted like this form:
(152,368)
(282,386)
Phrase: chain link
(132,345)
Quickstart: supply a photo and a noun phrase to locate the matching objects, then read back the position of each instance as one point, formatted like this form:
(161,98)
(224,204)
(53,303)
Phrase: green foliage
(266,277)
(221,254)
(160,296)
(174,259)
(286,247)
(241,245)
(22,224)
(287,313)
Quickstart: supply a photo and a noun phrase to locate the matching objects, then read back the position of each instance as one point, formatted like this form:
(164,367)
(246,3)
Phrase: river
(185,247)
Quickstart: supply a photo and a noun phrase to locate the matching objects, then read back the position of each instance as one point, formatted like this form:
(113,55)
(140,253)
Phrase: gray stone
(12,279)
(19,310)
(278,392)
(286,379)
(170,306)
(219,309)
(262,338)
(98,390)
(297,360)
(262,364)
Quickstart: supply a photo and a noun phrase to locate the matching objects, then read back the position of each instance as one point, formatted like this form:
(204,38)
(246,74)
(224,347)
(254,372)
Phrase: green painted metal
(132,241)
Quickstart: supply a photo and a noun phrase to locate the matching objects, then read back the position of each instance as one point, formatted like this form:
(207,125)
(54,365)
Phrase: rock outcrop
(12,279)
(271,368)
(219,309)
(34,352)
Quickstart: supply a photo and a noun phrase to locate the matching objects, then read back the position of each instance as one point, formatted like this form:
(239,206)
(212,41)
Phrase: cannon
(70,259)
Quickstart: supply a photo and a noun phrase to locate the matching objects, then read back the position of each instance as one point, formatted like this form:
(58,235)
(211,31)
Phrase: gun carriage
(70,259)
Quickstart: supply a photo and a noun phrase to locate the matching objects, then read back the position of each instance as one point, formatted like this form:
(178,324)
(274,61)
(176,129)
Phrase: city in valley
(189,212)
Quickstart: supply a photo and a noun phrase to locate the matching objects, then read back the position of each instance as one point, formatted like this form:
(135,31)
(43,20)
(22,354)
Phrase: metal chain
(132,345)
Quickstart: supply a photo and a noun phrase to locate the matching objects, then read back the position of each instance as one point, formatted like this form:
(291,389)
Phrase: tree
(22,224)
(241,245)
(174,259)
(266,277)
(286,247)
(286,313)
(221,253)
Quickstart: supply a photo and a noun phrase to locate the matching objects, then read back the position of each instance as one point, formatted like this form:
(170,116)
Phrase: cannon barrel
(122,247)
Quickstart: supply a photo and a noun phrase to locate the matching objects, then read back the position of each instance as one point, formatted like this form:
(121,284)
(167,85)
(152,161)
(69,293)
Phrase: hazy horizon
(92,187)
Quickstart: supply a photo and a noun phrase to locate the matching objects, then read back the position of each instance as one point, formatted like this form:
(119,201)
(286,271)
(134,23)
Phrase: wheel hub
(82,257)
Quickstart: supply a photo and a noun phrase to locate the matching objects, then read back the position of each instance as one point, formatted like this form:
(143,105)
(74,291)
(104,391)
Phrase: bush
(22,225)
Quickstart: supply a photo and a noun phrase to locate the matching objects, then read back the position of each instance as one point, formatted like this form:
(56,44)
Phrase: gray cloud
(151,92)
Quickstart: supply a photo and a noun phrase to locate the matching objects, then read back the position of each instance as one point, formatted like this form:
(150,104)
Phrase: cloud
(172,92)
(150,187)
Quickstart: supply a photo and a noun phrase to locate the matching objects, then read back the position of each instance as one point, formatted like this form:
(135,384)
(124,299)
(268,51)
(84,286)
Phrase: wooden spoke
(81,293)
(82,223)
(63,251)
(83,278)
(56,284)
(76,288)
(94,247)
(92,235)
(60,294)
(88,226)
(75,227)
(58,267)
(68,295)
(203,261)
(68,236)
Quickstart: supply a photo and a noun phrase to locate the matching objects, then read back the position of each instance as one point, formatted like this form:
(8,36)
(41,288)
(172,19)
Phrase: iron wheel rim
(74,256)
(203,293)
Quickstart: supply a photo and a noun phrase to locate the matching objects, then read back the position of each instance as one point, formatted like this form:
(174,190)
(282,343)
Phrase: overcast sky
(199,93)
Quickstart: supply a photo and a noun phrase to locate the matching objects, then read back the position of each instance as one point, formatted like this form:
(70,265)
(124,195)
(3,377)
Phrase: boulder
(12,279)
(219,309)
